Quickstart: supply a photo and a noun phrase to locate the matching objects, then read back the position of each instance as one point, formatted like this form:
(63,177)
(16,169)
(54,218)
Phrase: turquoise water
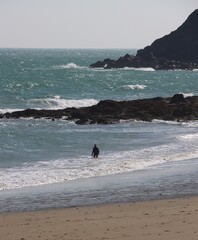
(34,152)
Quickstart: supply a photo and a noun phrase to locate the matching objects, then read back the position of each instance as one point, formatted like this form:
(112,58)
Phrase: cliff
(179,45)
(177,50)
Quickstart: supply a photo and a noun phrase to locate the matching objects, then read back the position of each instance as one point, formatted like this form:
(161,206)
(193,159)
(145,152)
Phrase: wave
(53,103)
(135,87)
(5,110)
(140,69)
(60,170)
(125,68)
(188,137)
(57,103)
(69,66)
(187,94)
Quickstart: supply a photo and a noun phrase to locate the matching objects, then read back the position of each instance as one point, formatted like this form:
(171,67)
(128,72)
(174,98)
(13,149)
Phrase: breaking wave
(5,110)
(187,94)
(121,162)
(69,66)
(57,102)
(53,103)
(135,87)
(140,69)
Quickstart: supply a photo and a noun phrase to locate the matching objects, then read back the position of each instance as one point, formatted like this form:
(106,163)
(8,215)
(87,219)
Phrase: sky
(89,23)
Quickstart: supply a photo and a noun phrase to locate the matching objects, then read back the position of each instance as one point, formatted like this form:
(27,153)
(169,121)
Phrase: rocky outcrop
(130,61)
(178,50)
(179,45)
(108,111)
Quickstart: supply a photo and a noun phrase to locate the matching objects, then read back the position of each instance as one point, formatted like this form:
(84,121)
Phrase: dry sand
(173,219)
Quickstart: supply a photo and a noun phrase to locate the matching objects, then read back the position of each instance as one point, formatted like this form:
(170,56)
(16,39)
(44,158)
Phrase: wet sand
(150,220)
(172,215)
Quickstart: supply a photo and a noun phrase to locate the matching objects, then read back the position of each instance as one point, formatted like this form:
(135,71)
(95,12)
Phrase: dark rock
(177,98)
(175,108)
(177,50)
(179,45)
(82,121)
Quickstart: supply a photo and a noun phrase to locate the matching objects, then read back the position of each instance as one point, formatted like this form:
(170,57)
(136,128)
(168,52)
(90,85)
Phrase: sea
(40,158)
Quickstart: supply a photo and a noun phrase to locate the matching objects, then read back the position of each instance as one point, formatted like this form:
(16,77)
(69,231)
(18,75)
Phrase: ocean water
(36,152)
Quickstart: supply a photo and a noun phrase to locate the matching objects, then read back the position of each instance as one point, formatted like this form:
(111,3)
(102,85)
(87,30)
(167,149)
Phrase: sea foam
(187,94)
(57,102)
(53,103)
(60,170)
(140,69)
(5,110)
(134,87)
(69,66)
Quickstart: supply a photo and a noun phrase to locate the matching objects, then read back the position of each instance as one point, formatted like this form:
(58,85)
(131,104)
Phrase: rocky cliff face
(179,45)
(178,50)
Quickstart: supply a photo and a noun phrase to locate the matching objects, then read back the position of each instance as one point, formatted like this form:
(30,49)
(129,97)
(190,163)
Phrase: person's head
(94,145)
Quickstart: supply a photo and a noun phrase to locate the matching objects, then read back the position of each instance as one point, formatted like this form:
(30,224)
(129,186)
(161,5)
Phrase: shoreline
(157,203)
(164,181)
(157,219)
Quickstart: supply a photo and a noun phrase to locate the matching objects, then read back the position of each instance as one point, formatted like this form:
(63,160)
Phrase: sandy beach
(158,219)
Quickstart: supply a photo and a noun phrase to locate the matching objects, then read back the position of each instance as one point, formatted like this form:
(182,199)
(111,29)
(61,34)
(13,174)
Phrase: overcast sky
(89,23)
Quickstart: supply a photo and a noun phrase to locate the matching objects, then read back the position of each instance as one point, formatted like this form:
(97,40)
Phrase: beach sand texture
(161,219)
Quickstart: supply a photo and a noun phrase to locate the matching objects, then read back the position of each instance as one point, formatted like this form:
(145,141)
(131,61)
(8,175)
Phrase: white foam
(103,69)
(188,137)
(167,122)
(47,172)
(9,110)
(135,87)
(57,102)
(69,66)
(187,94)
(191,124)
(53,103)
(141,69)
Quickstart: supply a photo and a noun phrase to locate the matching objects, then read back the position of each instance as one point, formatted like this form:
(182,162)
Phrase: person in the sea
(95,151)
